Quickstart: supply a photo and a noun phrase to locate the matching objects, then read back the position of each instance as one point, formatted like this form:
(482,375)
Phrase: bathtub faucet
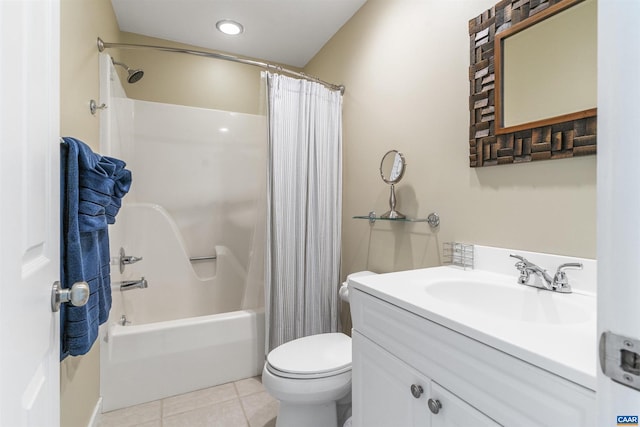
(133,284)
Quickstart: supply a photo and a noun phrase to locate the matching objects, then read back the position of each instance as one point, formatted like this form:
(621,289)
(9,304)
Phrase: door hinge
(620,359)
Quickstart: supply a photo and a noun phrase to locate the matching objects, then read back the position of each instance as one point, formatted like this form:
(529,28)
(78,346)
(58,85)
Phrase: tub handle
(202,258)
(127,259)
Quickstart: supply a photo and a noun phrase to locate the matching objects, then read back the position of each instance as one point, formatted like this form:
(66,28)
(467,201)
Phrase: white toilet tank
(344,288)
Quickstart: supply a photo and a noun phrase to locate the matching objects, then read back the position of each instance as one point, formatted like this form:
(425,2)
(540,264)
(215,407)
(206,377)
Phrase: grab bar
(202,258)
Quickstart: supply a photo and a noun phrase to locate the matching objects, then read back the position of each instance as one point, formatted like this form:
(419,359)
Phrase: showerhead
(133,75)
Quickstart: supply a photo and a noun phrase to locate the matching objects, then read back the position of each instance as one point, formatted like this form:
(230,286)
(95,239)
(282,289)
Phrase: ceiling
(289,32)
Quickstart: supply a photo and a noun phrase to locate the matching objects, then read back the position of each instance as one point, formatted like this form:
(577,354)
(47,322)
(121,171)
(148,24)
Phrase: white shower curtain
(304,209)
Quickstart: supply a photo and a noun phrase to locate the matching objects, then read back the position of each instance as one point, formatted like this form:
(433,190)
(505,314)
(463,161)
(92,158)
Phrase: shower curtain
(304,206)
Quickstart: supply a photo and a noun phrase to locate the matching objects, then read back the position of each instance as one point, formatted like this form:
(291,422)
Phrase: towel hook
(93,106)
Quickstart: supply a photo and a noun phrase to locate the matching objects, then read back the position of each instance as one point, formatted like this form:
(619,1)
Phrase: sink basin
(556,332)
(512,302)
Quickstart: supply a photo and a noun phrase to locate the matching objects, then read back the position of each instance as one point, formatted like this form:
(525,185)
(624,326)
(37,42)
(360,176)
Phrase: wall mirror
(533,81)
(392,167)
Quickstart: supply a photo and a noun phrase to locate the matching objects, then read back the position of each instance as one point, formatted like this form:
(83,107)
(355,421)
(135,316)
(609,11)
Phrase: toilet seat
(315,356)
(311,376)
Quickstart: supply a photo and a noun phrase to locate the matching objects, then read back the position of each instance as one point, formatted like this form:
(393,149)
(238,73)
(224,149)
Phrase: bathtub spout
(133,284)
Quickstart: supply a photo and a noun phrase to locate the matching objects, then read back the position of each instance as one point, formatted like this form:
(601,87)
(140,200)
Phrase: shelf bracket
(433,220)
(372,217)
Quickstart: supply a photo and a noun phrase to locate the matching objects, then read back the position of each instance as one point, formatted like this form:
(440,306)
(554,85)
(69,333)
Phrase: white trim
(95,415)
(618,193)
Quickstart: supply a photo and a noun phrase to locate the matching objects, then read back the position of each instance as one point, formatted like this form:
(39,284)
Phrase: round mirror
(392,167)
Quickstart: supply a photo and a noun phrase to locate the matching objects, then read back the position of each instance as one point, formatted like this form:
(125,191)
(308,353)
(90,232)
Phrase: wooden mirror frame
(554,138)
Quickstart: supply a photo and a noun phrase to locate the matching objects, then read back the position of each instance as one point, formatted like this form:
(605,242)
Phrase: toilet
(311,377)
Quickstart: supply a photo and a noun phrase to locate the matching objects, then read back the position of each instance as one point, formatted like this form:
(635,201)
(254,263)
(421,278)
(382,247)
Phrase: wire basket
(458,254)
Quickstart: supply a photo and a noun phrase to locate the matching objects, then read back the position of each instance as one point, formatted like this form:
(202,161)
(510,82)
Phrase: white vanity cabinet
(388,392)
(455,412)
(476,384)
(381,388)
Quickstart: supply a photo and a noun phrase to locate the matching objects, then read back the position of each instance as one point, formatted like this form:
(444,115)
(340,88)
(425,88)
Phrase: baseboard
(97,410)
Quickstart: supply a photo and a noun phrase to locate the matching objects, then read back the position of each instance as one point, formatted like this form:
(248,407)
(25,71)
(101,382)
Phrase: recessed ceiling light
(229,27)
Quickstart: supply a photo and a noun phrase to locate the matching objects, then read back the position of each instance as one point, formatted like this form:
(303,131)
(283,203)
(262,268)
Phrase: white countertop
(567,348)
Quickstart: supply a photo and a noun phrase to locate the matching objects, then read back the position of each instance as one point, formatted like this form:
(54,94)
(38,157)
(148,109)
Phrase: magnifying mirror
(392,169)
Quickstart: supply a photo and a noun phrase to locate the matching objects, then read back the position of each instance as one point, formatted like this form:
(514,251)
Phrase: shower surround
(199,178)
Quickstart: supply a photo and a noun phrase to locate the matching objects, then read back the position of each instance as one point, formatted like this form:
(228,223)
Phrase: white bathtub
(157,360)
(186,331)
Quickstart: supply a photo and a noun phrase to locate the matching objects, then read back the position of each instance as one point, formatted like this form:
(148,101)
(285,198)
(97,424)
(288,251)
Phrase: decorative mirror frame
(568,136)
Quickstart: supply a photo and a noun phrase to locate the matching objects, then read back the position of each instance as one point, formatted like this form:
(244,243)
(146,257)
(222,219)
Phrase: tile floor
(243,403)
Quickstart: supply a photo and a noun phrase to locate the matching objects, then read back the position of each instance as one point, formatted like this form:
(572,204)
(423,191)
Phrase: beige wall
(405,67)
(196,81)
(82,21)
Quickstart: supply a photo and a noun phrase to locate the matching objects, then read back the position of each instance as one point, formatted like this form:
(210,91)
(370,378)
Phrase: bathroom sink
(554,331)
(509,301)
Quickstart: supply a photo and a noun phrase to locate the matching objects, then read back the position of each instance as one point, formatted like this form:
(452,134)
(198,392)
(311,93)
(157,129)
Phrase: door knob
(434,405)
(416,390)
(77,295)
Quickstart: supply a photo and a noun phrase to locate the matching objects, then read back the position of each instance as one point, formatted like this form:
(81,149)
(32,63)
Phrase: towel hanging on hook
(92,189)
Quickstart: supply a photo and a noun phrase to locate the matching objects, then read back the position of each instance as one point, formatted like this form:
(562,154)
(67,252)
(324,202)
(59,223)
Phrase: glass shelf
(433,219)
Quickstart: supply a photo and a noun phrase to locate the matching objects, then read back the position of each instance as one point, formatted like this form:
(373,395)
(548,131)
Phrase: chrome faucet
(557,283)
(123,320)
(133,284)
(127,259)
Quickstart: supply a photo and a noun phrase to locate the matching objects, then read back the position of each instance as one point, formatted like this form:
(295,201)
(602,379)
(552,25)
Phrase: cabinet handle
(434,405)
(416,390)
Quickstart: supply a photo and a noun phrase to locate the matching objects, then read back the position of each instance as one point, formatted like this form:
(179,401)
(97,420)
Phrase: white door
(619,198)
(29,212)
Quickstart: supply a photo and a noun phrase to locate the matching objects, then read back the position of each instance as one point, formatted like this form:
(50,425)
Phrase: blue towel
(92,187)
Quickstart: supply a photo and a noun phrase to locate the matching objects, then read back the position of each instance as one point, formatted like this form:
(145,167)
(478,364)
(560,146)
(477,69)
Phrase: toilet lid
(314,354)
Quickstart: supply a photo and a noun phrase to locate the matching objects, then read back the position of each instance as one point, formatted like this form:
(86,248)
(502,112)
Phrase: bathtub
(162,359)
(190,329)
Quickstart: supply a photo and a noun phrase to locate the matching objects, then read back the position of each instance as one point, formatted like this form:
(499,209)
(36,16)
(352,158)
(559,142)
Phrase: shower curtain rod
(102,45)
